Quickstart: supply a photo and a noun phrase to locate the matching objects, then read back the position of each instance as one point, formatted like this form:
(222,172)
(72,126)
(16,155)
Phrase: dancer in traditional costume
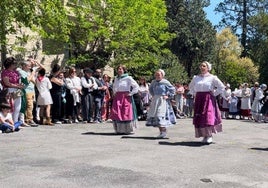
(160,113)
(207,116)
(123,107)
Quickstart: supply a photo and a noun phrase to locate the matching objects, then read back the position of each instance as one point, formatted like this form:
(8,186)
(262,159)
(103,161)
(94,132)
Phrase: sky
(211,15)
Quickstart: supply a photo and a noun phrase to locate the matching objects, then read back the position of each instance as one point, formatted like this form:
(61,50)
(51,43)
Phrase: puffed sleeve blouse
(125,84)
(206,83)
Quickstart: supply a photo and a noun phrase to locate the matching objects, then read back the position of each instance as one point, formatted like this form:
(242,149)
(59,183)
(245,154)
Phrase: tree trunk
(3,40)
(244,30)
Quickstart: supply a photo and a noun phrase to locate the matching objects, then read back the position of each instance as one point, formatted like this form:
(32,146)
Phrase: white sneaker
(209,140)
(162,135)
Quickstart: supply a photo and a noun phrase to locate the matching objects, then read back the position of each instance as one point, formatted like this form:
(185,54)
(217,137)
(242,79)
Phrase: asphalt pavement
(91,155)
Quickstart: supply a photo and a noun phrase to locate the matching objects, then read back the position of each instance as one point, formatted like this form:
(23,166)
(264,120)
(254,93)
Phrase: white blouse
(127,84)
(206,83)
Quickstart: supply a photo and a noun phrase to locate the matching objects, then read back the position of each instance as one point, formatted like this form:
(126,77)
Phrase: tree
(14,15)
(131,32)
(232,68)
(237,14)
(195,36)
(175,72)
(259,44)
(227,48)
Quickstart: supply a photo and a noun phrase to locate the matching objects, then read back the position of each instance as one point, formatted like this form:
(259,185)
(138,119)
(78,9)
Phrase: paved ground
(90,155)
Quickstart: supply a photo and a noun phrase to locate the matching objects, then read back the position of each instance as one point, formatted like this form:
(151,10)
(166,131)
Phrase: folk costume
(207,116)
(246,102)
(123,107)
(160,113)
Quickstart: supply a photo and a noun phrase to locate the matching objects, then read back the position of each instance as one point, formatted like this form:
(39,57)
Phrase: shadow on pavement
(103,134)
(260,149)
(190,144)
(143,137)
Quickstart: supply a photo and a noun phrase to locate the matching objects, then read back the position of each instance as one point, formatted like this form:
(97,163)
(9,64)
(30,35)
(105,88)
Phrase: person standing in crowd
(98,96)
(264,109)
(88,84)
(122,112)
(11,80)
(207,116)
(144,96)
(238,94)
(179,97)
(144,91)
(257,105)
(189,104)
(245,109)
(160,113)
(105,112)
(29,75)
(56,94)
(63,117)
(74,85)
(253,89)
(226,95)
(44,99)
(233,110)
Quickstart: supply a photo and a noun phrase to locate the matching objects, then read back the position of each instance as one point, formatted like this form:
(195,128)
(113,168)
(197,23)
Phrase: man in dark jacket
(98,95)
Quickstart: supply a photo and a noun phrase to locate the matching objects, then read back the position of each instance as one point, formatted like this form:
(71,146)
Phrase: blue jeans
(4,126)
(98,104)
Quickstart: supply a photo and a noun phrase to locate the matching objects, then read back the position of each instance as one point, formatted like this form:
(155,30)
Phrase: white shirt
(125,84)
(206,83)
(74,84)
(226,94)
(88,84)
(7,117)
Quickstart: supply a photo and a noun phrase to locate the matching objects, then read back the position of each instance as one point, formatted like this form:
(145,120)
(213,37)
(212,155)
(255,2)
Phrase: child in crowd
(6,122)
(233,110)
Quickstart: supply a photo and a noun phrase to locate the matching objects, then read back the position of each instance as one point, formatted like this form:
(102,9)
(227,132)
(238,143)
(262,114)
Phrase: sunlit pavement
(91,155)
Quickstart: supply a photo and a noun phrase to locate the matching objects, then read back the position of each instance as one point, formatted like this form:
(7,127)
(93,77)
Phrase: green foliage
(53,20)
(259,44)
(131,32)
(240,72)
(175,72)
(230,67)
(14,15)
(139,31)
(236,14)
(195,36)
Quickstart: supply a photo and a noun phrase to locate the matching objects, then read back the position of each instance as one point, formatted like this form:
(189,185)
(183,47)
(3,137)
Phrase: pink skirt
(207,117)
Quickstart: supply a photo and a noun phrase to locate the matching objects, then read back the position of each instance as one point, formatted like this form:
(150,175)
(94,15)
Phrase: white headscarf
(208,65)
(162,71)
